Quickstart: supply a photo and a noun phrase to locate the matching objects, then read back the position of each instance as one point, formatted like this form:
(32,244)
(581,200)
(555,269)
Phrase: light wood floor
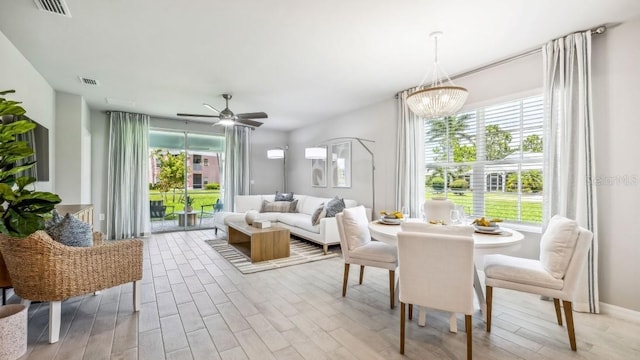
(196,305)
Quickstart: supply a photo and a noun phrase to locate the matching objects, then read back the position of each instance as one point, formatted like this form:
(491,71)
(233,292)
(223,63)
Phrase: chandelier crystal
(438,100)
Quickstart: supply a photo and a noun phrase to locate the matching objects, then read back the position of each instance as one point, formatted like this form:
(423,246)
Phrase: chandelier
(438,100)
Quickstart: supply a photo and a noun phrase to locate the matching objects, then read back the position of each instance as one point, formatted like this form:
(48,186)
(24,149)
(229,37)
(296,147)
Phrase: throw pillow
(279,206)
(557,244)
(72,232)
(318,214)
(288,196)
(56,218)
(335,206)
(356,226)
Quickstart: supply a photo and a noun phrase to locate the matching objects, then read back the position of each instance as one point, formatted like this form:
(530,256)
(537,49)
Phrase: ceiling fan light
(226,122)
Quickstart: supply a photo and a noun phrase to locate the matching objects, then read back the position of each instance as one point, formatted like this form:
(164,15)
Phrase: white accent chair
(436,271)
(563,252)
(438,210)
(358,248)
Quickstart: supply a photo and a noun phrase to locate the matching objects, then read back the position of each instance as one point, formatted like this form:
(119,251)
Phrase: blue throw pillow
(288,196)
(71,232)
(335,206)
(56,218)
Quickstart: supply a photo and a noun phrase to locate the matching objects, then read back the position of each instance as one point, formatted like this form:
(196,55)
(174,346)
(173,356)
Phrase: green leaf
(22,224)
(23,181)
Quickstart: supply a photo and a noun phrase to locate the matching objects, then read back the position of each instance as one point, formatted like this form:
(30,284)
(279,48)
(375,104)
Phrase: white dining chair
(438,210)
(563,252)
(358,248)
(436,271)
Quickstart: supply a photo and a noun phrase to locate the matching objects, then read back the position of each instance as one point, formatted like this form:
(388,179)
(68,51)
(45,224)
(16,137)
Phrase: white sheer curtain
(236,165)
(569,148)
(128,183)
(409,159)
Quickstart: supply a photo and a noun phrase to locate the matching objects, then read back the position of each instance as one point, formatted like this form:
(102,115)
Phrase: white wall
(267,174)
(36,95)
(73,149)
(99,166)
(616,76)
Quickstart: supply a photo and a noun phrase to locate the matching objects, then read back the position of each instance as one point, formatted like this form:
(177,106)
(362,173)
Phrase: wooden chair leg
(468,328)
(54,321)
(556,303)
(489,300)
(346,279)
(410,311)
(361,274)
(392,288)
(568,314)
(402,323)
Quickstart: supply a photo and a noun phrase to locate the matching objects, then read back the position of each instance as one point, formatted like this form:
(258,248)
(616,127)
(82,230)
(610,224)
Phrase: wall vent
(88,81)
(54,6)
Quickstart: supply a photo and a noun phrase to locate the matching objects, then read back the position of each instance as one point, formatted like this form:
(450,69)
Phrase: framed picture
(319,172)
(341,165)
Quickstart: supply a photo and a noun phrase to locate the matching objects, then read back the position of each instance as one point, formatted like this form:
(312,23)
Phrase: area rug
(301,252)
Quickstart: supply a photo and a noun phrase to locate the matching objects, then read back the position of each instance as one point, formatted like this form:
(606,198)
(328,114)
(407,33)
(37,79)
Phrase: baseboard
(620,312)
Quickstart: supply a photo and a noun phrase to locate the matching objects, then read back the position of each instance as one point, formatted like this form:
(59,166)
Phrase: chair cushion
(519,270)
(72,232)
(376,251)
(356,227)
(557,244)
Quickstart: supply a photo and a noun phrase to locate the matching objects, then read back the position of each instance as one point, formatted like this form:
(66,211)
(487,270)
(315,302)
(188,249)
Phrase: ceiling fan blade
(247,122)
(255,115)
(198,115)
(211,107)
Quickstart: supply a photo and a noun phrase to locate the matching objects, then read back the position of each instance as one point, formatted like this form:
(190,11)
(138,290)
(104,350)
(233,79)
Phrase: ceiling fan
(228,118)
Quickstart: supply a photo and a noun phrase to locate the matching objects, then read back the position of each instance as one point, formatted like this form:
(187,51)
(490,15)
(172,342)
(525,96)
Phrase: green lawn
(200,197)
(499,205)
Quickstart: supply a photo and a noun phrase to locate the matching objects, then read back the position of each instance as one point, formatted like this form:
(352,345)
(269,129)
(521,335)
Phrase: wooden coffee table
(259,244)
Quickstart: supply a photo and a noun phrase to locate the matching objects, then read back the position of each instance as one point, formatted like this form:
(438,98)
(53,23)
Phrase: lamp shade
(436,102)
(275,154)
(315,153)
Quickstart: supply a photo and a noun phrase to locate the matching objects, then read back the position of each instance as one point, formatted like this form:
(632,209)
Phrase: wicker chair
(43,269)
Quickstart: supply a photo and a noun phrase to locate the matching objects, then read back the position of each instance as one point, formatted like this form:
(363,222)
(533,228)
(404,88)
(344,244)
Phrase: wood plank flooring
(195,305)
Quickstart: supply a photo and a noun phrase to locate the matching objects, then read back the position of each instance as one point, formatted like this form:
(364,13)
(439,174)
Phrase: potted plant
(21,209)
(189,204)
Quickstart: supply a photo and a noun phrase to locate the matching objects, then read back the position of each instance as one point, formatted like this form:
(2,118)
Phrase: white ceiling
(300,61)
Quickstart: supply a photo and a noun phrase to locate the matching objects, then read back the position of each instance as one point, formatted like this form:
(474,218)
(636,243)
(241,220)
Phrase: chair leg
(346,279)
(325,249)
(468,328)
(402,323)
(136,296)
(556,303)
(361,273)
(489,300)
(54,321)
(410,311)
(392,288)
(568,314)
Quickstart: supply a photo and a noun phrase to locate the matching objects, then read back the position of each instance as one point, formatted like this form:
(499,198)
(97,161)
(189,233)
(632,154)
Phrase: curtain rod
(595,31)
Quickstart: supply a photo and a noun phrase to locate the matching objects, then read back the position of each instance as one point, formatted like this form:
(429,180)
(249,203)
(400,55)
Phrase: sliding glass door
(185,176)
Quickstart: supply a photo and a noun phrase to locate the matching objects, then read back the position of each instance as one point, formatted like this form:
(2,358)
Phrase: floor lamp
(314,152)
(280,153)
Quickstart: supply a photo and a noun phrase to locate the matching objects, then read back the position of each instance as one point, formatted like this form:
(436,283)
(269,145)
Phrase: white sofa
(298,223)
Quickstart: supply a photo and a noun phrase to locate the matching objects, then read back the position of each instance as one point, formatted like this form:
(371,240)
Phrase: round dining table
(504,242)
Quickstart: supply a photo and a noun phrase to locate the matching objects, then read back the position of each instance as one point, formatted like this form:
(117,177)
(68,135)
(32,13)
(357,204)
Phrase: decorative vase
(13,331)
(188,209)
(250,216)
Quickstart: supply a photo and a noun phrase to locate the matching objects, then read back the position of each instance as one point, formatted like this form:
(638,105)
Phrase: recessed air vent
(88,81)
(53,6)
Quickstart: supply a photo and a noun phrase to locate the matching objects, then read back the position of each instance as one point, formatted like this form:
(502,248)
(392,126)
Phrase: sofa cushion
(310,204)
(286,196)
(350,203)
(244,203)
(72,232)
(292,218)
(279,206)
(557,244)
(305,224)
(335,206)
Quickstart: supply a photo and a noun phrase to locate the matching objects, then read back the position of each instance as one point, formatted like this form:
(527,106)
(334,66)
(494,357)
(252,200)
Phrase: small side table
(190,218)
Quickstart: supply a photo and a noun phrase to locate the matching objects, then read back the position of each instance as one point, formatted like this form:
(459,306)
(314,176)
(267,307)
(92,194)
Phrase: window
(206,162)
(489,160)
